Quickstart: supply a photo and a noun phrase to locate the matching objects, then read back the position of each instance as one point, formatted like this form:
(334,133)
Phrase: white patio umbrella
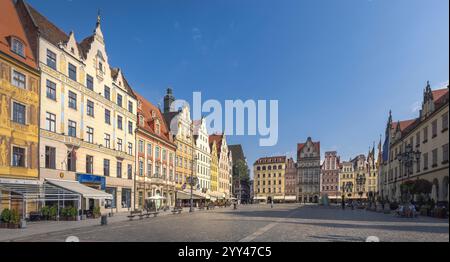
(434,193)
(155,198)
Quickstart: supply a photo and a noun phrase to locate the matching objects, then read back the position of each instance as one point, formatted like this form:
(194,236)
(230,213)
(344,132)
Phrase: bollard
(104,220)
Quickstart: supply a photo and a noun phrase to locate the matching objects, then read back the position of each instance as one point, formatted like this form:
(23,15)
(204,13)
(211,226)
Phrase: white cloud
(415,108)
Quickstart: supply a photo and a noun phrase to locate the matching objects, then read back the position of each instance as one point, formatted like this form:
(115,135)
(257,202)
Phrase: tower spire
(99,17)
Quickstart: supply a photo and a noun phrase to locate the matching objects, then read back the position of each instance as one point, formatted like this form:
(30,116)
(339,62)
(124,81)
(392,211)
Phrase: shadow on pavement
(324,213)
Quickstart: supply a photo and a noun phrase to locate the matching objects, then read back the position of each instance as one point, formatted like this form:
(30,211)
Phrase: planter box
(13,226)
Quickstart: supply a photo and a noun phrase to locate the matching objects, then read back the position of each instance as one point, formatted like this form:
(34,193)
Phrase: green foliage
(69,212)
(45,211)
(53,212)
(241,171)
(15,217)
(97,211)
(6,215)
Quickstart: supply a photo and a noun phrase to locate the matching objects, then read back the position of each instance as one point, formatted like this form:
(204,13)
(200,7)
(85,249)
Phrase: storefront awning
(185,196)
(290,198)
(278,198)
(81,189)
(260,198)
(28,190)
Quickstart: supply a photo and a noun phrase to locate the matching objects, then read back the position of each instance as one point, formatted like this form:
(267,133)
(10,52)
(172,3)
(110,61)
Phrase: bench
(177,211)
(135,213)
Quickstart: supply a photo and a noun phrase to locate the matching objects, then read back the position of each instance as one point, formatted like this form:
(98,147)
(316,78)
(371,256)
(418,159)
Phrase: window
(107,116)
(89,82)
(90,135)
(72,100)
(119,100)
(107,141)
(50,157)
(51,90)
(130,127)
(130,149)
(89,164)
(141,168)
(106,167)
(130,171)
(119,169)
(444,122)
(157,155)
(141,146)
(72,128)
(72,72)
(425,134)
(18,79)
(149,150)
(434,129)
(149,169)
(19,113)
(130,106)
(445,154)
(18,157)
(51,59)
(107,93)
(418,166)
(119,144)
(157,128)
(17,47)
(418,139)
(434,158)
(71,161)
(90,108)
(50,122)
(425,161)
(119,123)
(164,155)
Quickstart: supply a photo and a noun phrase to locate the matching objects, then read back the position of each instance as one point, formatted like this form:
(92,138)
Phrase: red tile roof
(146,110)
(403,124)
(11,26)
(439,94)
(272,159)
(218,139)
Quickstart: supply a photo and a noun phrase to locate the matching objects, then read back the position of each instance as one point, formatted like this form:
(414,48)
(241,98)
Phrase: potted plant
(96,213)
(14,220)
(45,212)
(53,213)
(5,217)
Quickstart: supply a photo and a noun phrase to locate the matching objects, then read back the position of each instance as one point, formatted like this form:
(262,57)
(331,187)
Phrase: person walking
(343,205)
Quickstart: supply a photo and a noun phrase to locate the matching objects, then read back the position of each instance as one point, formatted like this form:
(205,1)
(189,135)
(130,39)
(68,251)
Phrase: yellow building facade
(269,179)
(19,106)
(214,168)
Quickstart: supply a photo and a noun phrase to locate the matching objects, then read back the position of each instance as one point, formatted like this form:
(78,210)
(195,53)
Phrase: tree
(241,171)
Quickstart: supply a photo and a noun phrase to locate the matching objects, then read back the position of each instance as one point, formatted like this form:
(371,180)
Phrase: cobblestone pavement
(260,223)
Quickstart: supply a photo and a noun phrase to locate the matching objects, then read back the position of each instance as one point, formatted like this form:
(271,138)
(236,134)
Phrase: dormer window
(141,120)
(157,128)
(153,114)
(17,47)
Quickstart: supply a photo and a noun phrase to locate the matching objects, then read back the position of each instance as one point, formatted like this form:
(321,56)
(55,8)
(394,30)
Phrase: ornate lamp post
(192,181)
(408,158)
(361,181)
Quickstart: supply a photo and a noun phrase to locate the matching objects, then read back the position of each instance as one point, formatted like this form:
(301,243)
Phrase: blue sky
(336,67)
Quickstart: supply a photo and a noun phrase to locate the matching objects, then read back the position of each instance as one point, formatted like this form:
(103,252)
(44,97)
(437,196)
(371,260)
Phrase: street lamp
(192,181)
(408,158)
(361,181)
